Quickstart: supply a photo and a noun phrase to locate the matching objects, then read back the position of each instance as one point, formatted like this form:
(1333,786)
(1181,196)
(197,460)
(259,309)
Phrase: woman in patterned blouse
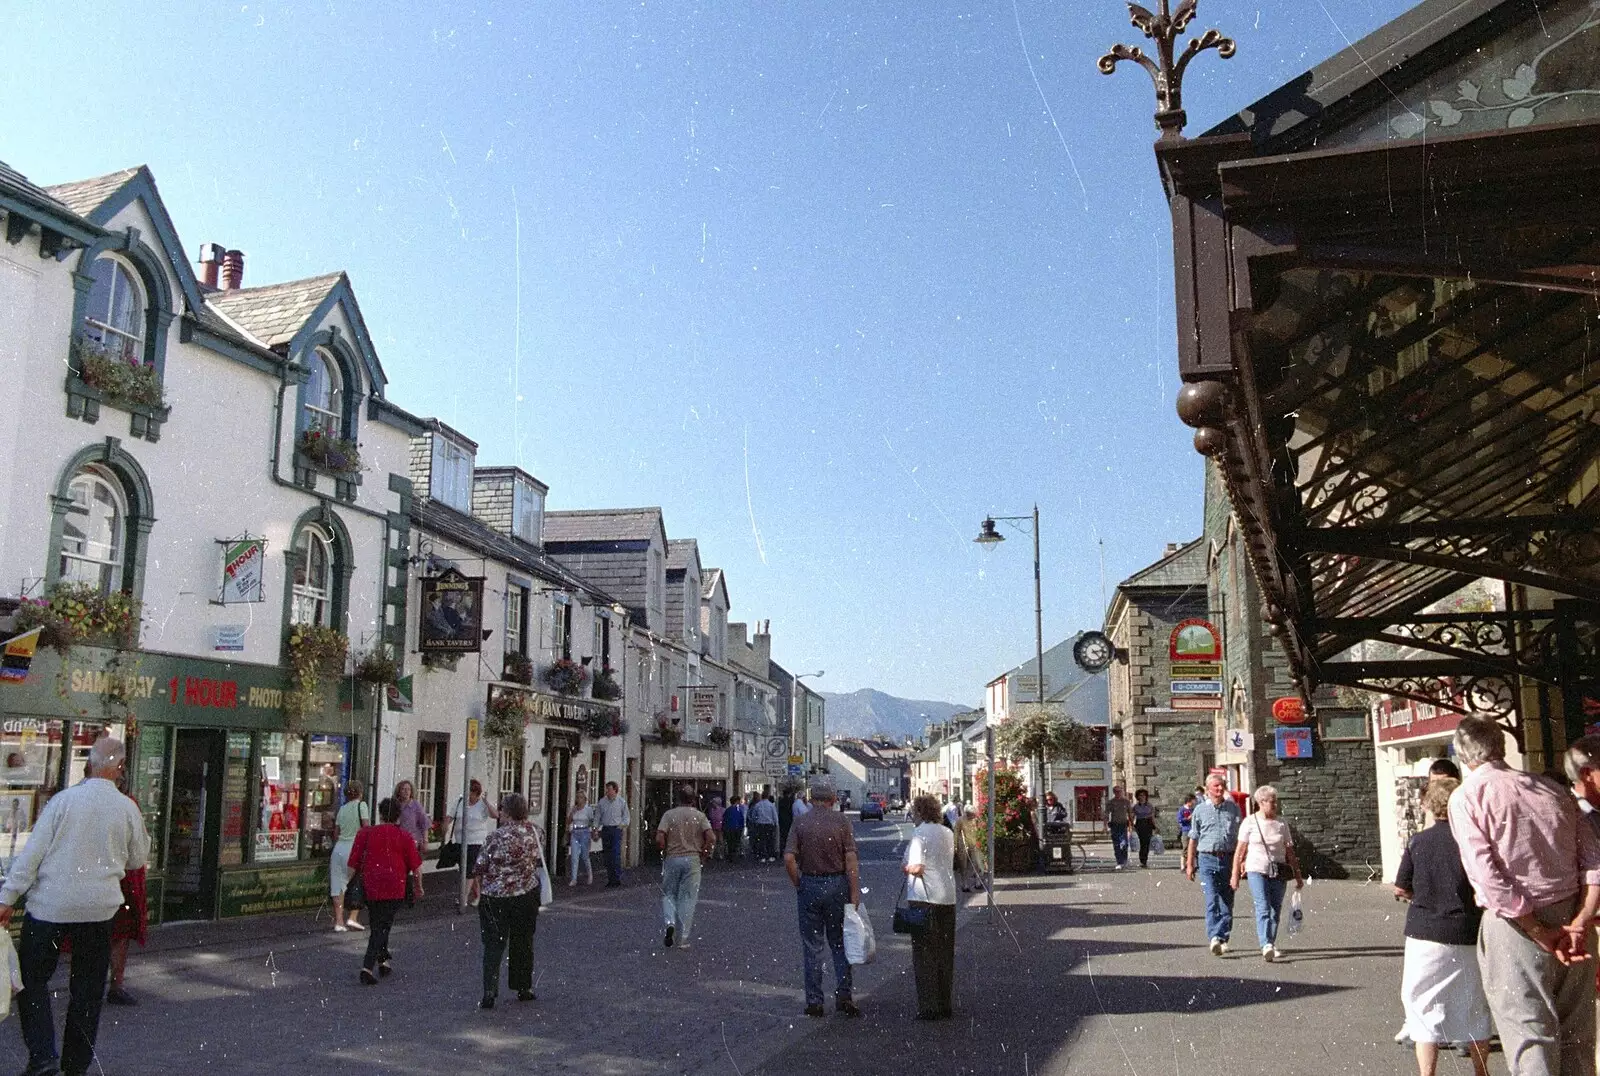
(505,883)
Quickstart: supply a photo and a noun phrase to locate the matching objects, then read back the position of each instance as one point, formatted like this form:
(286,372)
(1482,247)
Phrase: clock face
(1093,652)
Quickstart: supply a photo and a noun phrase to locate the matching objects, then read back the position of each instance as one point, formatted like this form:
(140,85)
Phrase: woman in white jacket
(931,884)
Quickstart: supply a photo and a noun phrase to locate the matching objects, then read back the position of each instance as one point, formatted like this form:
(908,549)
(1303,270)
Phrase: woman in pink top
(413,816)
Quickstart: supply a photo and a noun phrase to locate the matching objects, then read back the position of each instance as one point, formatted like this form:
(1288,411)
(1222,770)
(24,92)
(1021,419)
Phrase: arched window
(313,578)
(94,537)
(115,316)
(324,395)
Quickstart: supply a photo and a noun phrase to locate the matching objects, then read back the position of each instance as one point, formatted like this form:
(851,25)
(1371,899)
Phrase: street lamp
(989,537)
(794,708)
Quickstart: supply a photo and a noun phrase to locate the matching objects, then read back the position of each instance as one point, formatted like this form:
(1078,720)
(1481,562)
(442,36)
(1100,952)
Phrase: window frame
(328,415)
(131,341)
(114,463)
(516,626)
(118,546)
(318,538)
(458,495)
(527,507)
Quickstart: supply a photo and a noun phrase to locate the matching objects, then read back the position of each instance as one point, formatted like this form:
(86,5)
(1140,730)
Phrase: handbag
(909,919)
(411,889)
(1274,868)
(449,856)
(355,894)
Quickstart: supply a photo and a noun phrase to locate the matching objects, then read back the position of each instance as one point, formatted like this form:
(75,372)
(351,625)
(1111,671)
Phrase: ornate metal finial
(1164,29)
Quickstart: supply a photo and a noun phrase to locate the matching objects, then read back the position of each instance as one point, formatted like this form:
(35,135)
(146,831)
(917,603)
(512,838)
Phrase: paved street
(1100,972)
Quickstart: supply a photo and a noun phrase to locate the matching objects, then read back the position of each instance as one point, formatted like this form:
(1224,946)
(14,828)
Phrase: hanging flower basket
(74,614)
(606,688)
(719,736)
(517,669)
(377,667)
(667,730)
(566,677)
(120,378)
(316,654)
(505,716)
(337,455)
(600,725)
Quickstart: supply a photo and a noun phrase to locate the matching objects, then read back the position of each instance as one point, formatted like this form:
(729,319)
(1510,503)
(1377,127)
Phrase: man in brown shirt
(822,864)
(685,839)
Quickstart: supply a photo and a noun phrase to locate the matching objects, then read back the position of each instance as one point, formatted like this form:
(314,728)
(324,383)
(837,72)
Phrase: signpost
(1195,650)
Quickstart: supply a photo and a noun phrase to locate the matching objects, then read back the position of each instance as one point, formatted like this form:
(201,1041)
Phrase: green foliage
(336,454)
(505,716)
(119,378)
(316,655)
(517,668)
(1014,809)
(77,613)
(1045,736)
(377,667)
(606,686)
(566,677)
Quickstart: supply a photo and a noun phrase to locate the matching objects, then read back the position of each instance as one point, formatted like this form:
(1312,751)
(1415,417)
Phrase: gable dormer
(442,466)
(511,501)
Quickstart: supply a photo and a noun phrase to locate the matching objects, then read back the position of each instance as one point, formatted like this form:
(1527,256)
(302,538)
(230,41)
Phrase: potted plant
(606,687)
(566,677)
(517,668)
(719,736)
(76,613)
(316,654)
(601,724)
(337,455)
(377,667)
(1013,821)
(505,716)
(667,730)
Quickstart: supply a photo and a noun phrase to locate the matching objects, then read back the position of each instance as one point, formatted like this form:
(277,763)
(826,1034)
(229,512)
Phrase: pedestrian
(931,884)
(473,822)
(1535,869)
(715,814)
(1055,812)
(505,887)
(1119,820)
(580,830)
(733,830)
(385,856)
(952,811)
(1265,855)
(1443,768)
(413,816)
(973,870)
(800,807)
(128,926)
(1213,833)
(1441,986)
(83,843)
(1144,824)
(352,817)
(1185,813)
(684,838)
(764,827)
(611,813)
(785,819)
(822,863)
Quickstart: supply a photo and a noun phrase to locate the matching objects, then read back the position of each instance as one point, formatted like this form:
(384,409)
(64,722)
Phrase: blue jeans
(611,841)
(1214,871)
(1119,844)
(37,954)
(578,857)
(680,891)
(1267,893)
(821,899)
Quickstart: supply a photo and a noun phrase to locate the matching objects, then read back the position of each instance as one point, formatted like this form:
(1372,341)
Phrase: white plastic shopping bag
(10,972)
(860,945)
(1157,845)
(1297,915)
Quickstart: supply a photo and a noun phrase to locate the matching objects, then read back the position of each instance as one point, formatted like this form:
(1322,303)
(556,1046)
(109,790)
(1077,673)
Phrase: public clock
(1093,652)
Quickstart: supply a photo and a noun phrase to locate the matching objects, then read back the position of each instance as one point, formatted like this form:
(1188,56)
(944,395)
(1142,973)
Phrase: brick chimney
(762,643)
(232,270)
(210,263)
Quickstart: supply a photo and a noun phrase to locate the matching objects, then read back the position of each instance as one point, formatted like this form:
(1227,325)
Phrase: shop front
(1082,787)
(239,809)
(667,769)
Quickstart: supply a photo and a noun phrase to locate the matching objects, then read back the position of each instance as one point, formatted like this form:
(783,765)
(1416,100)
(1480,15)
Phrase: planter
(1014,855)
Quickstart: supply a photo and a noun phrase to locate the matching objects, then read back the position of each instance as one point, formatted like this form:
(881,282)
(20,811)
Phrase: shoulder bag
(909,919)
(1273,867)
(450,851)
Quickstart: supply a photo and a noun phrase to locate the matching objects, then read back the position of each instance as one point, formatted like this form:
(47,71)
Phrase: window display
(329,765)
(279,773)
(30,764)
(235,798)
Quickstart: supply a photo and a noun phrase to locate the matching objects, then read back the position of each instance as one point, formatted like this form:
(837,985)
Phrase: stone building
(1153,744)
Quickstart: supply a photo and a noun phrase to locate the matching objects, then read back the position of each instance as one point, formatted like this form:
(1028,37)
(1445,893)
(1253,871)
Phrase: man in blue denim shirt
(1214,830)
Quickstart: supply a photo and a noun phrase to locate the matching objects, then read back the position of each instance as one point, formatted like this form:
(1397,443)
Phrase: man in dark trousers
(785,816)
(821,860)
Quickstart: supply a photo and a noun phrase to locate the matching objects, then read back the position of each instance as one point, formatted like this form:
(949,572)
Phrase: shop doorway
(556,804)
(194,826)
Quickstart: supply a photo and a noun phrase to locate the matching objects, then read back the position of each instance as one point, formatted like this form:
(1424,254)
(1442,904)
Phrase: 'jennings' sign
(452,614)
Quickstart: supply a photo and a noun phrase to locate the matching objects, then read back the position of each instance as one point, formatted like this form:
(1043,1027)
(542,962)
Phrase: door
(556,804)
(194,826)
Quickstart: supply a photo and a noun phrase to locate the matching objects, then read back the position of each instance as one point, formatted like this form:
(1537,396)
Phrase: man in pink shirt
(1536,871)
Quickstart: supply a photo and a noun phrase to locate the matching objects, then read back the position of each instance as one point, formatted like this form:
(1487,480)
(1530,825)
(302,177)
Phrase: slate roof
(858,754)
(84,196)
(709,578)
(274,313)
(1183,567)
(14,180)
(681,553)
(463,530)
(602,525)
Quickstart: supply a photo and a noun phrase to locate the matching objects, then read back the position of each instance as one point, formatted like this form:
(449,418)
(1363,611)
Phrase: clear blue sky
(820,279)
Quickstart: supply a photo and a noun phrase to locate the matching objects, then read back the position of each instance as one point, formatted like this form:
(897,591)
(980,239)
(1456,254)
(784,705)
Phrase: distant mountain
(864,712)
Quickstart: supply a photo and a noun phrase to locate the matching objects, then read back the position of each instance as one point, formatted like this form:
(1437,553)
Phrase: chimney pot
(232,270)
(210,262)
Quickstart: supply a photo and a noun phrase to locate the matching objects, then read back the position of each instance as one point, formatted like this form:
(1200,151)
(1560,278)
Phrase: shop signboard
(1197,702)
(452,614)
(1197,687)
(1404,719)
(1239,740)
(279,889)
(1194,639)
(703,702)
(1293,743)
(1289,710)
(684,761)
(243,570)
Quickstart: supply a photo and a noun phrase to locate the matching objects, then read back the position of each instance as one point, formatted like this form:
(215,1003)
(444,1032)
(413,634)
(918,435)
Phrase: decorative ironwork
(1164,29)
(1480,696)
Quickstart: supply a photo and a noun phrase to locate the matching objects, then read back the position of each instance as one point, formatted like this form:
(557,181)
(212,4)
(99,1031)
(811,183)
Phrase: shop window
(235,798)
(324,395)
(30,750)
(328,767)
(313,578)
(94,533)
(147,782)
(115,317)
(1343,724)
(280,771)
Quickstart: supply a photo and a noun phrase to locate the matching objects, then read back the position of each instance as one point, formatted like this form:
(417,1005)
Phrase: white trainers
(1217,947)
(1268,953)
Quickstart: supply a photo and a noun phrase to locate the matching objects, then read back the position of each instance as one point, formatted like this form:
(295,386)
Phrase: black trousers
(38,953)
(734,839)
(381,913)
(933,960)
(1145,829)
(508,922)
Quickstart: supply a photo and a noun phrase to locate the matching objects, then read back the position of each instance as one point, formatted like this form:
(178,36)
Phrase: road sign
(777,747)
(1197,687)
(796,770)
(775,767)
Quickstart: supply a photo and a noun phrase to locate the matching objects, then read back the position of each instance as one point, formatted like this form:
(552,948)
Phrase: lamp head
(989,536)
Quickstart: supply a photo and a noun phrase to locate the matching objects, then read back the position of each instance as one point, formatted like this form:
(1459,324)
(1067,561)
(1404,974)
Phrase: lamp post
(794,704)
(989,537)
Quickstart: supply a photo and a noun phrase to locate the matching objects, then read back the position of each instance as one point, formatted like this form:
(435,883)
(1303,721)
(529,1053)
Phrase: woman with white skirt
(351,818)
(1440,986)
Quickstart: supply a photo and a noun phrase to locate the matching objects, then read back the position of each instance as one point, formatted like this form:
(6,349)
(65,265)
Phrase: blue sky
(823,280)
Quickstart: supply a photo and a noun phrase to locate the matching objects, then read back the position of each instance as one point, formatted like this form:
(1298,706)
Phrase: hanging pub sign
(452,614)
(243,570)
(1195,640)
(703,702)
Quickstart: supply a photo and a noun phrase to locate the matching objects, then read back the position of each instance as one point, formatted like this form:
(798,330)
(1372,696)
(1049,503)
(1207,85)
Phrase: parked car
(872,807)
(896,804)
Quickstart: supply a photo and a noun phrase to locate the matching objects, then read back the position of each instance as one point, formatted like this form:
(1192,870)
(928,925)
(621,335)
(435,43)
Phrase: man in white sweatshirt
(71,870)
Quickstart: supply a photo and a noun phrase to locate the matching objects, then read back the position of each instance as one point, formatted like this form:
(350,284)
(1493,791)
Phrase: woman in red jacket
(384,855)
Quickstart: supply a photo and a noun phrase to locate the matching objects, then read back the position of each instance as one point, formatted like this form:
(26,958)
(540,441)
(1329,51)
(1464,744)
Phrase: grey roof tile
(602,525)
(84,196)
(681,553)
(273,314)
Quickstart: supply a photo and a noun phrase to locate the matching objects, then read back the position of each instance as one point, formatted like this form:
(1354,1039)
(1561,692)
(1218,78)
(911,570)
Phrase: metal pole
(988,746)
(1038,642)
(466,783)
